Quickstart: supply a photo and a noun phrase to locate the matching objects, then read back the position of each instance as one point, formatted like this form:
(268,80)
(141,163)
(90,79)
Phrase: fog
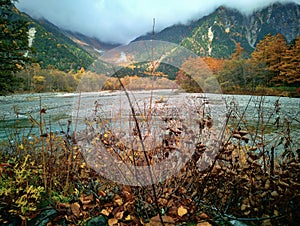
(119,21)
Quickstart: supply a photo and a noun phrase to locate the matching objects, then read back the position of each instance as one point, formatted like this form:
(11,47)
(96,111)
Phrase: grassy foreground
(45,180)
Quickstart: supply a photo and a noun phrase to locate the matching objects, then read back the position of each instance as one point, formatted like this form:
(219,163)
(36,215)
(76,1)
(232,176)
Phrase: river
(18,113)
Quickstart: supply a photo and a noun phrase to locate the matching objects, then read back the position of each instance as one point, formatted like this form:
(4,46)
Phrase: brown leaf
(267,184)
(247,212)
(86,199)
(117,210)
(62,205)
(119,215)
(283,183)
(43,111)
(205,223)
(88,206)
(112,221)
(162,201)
(75,208)
(101,193)
(155,221)
(105,212)
(118,201)
(172,211)
(204,216)
(237,136)
(182,190)
(126,192)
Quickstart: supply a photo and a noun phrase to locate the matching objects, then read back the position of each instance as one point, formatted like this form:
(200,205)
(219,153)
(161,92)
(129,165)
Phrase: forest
(271,69)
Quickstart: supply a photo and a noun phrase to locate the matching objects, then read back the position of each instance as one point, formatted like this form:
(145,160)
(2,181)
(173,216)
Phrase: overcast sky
(120,21)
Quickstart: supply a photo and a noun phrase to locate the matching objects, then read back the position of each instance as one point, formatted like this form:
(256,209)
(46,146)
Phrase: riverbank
(243,176)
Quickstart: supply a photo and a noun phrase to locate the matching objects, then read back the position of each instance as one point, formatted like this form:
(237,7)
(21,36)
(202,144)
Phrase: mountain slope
(175,33)
(90,44)
(218,33)
(51,47)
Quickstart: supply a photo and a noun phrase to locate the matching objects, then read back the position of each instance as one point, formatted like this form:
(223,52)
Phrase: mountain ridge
(51,47)
(217,34)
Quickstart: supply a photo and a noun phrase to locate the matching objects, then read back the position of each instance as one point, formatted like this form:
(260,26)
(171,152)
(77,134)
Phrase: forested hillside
(217,34)
(51,47)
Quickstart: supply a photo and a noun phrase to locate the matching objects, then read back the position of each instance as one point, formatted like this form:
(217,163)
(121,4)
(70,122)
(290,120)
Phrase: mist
(119,21)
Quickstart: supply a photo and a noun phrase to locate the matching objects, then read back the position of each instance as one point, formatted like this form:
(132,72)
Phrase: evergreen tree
(13,46)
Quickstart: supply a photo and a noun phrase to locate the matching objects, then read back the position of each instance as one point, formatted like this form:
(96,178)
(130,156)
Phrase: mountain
(214,35)
(217,34)
(175,33)
(90,44)
(50,46)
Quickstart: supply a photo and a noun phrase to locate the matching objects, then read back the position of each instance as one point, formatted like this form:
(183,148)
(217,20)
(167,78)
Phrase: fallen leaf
(155,221)
(75,208)
(101,193)
(112,221)
(267,185)
(105,212)
(128,218)
(43,111)
(119,215)
(274,194)
(244,207)
(181,211)
(118,201)
(86,199)
(172,211)
(62,205)
(204,216)
(283,183)
(205,223)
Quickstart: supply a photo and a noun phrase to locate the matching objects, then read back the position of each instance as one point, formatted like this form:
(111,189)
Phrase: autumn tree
(267,58)
(195,75)
(289,69)
(214,64)
(234,73)
(13,45)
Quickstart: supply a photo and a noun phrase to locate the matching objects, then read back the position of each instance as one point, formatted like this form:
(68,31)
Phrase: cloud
(119,21)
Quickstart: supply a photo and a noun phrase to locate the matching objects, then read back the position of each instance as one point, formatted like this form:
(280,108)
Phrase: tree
(290,66)
(13,46)
(198,75)
(267,58)
(234,73)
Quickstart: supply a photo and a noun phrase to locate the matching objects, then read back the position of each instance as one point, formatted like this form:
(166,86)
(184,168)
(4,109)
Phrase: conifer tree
(290,66)
(13,46)
(267,58)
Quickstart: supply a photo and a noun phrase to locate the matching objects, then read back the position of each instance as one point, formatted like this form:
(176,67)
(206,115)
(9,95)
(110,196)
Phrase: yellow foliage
(181,211)
(23,195)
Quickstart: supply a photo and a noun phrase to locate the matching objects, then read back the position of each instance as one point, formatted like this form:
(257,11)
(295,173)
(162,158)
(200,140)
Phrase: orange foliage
(214,64)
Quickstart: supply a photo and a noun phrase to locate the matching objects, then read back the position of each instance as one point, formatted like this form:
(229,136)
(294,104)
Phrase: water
(19,112)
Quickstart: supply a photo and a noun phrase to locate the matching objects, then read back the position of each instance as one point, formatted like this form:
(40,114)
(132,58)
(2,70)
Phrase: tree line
(271,68)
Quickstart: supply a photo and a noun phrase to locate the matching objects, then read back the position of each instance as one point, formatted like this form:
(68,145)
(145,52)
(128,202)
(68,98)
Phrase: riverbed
(21,114)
